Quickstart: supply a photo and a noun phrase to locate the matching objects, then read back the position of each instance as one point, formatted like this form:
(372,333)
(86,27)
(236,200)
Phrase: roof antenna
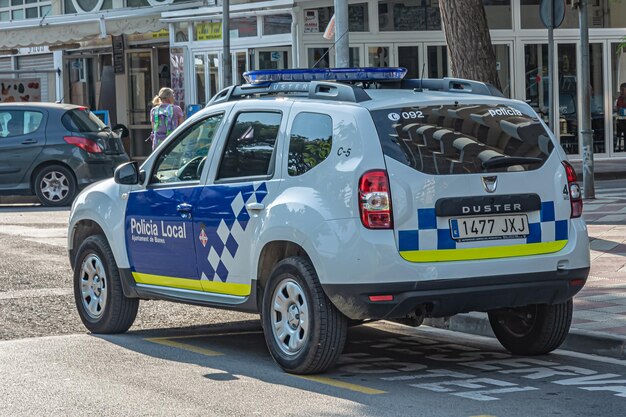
(420,88)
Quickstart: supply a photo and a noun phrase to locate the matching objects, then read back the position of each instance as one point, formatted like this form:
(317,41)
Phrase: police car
(323,197)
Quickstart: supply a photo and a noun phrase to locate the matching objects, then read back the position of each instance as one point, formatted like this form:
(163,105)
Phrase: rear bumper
(448,297)
(94,170)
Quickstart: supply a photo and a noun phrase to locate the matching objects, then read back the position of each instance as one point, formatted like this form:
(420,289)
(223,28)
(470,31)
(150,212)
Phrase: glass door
(379,55)
(597,99)
(436,61)
(504,67)
(140,94)
(240,65)
(200,78)
(207,76)
(567,99)
(618,98)
(408,57)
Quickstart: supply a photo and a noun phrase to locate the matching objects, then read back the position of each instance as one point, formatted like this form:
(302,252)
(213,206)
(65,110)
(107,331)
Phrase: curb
(582,341)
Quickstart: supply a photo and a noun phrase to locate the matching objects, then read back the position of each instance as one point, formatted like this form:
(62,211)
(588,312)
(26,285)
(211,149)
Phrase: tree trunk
(472,55)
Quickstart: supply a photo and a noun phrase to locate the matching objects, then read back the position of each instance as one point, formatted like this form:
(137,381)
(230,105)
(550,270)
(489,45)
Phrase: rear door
(482,181)
(22,138)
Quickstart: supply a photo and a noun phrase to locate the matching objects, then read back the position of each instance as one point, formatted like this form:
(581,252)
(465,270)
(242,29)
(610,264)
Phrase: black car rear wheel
(532,330)
(55,186)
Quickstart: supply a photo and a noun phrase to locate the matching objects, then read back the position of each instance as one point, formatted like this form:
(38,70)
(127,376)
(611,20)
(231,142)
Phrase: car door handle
(185,210)
(255,206)
(29,141)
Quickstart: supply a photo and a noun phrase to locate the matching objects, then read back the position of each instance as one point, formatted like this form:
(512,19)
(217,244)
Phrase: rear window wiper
(507,161)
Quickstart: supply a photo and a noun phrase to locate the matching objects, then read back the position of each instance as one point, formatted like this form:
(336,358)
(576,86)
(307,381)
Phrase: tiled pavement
(601,305)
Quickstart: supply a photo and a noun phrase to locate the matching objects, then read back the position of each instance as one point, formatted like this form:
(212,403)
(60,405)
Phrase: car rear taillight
(83,143)
(575,196)
(375,200)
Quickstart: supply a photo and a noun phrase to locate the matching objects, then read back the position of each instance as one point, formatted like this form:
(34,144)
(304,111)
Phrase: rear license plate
(489,227)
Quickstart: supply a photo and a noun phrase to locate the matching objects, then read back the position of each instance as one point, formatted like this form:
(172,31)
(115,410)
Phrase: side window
(250,145)
(184,158)
(19,122)
(310,142)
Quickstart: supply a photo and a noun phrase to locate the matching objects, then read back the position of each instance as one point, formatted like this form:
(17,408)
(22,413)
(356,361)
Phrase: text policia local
(145,229)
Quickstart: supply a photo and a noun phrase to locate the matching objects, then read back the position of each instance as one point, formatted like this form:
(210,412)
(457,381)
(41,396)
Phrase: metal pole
(226,58)
(585,105)
(551,73)
(342,41)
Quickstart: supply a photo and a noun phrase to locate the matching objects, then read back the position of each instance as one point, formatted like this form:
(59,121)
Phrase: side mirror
(127,173)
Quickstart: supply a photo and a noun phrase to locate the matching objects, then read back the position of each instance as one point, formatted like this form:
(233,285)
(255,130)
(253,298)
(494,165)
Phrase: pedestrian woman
(165,116)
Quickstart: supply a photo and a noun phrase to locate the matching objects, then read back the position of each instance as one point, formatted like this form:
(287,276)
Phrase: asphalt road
(186,361)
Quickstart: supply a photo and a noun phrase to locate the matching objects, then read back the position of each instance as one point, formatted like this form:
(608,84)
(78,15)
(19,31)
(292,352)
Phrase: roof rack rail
(453,85)
(321,90)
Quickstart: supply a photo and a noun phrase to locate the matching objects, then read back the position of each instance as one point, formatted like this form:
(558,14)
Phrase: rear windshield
(82,120)
(457,139)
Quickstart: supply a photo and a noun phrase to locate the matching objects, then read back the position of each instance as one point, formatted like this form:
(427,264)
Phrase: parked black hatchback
(54,150)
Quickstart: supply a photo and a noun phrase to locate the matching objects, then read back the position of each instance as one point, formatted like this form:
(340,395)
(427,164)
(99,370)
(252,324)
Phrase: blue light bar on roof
(325,74)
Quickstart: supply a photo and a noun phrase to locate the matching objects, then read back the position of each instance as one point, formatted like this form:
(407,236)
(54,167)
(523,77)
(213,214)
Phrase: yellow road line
(341,384)
(185,346)
(197,336)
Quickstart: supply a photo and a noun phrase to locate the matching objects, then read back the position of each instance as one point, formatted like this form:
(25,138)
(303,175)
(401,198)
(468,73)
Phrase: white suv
(319,203)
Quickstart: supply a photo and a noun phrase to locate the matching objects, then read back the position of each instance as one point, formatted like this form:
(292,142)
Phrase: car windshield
(82,120)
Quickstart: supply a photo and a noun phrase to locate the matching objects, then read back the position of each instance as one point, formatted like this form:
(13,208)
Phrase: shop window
(250,146)
(273,59)
(408,15)
(207,31)
(277,24)
(602,14)
(318,57)
(310,142)
(86,6)
(498,14)
(318,19)
(181,30)
(244,27)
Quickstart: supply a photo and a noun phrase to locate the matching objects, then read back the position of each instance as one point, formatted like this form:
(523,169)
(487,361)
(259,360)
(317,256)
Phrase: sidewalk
(599,323)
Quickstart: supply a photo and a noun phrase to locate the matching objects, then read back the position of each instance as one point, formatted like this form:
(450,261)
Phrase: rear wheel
(304,331)
(532,330)
(98,294)
(55,186)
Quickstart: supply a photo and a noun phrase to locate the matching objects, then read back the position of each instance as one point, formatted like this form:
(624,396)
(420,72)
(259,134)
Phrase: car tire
(532,330)
(55,186)
(304,332)
(98,293)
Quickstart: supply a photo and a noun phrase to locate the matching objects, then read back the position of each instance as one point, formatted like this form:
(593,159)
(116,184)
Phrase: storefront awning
(62,29)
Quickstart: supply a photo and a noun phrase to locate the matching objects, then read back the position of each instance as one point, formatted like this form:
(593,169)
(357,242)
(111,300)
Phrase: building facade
(134,47)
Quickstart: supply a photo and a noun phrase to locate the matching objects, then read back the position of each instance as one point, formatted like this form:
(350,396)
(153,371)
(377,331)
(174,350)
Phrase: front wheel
(532,330)
(304,332)
(101,303)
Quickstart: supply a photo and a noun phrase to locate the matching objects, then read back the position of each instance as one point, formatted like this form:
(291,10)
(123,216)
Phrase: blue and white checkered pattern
(434,234)
(225,239)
